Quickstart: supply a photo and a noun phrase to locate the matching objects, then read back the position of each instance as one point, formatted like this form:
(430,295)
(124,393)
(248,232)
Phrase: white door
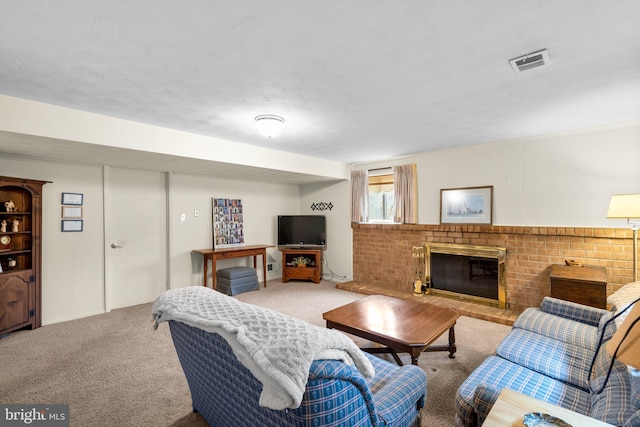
(135,236)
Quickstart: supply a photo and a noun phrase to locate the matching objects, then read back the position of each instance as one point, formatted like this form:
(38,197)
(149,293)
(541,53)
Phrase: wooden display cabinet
(293,270)
(20,253)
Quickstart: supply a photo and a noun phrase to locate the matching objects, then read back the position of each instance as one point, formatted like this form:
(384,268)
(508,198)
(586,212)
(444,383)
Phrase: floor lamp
(627,206)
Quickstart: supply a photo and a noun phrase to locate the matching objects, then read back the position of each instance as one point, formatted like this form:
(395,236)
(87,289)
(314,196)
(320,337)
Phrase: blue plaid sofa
(225,392)
(548,355)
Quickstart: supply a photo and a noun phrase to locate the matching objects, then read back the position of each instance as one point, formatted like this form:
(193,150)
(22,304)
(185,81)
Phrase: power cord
(332,275)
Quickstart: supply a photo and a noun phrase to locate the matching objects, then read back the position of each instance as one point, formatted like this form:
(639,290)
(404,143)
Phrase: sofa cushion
(603,359)
(236,272)
(557,359)
(558,328)
(237,286)
(572,310)
(634,380)
(499,373)
(622,298)
(613,404)
(608,326)
(240,281)
(633,421)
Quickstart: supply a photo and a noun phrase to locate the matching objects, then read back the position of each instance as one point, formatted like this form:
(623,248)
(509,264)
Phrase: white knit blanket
(277,349)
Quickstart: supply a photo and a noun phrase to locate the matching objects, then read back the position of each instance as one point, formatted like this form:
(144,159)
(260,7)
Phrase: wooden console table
(232,252)
(511,407)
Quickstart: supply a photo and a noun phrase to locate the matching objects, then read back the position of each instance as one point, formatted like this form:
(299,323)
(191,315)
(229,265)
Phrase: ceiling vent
(530,61)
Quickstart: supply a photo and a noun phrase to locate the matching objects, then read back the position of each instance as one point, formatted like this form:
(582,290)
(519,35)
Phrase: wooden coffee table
(402,326)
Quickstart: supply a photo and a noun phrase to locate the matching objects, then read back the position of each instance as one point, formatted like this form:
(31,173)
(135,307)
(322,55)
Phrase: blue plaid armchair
(547,355)
(225,392)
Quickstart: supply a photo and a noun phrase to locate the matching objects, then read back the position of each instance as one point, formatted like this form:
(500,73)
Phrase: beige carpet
(114,369)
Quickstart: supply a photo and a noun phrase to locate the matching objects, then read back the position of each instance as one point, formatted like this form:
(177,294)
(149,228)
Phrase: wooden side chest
(584,285)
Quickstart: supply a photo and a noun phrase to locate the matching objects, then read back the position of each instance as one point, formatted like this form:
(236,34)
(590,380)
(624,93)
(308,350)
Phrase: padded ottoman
(236,280)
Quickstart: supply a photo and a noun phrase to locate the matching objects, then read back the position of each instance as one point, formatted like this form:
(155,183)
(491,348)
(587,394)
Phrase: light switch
(183,217)
(196,213)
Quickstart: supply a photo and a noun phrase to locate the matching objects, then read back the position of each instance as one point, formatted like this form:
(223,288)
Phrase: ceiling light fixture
(269,125)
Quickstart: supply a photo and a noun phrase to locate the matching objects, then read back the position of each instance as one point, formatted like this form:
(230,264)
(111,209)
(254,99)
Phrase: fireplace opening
(465,275)
(467,272)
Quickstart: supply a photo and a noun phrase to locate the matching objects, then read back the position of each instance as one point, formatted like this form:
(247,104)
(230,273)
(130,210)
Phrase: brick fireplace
(467,272)
(382,254)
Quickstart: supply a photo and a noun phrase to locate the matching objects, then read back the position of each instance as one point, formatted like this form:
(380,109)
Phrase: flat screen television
(302,230)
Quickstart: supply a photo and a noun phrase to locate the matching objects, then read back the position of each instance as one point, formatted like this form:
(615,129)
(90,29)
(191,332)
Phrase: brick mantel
(382,254)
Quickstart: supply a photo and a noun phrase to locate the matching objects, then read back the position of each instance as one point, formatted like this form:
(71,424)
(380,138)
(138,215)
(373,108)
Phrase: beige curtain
(405,189)
(359,196)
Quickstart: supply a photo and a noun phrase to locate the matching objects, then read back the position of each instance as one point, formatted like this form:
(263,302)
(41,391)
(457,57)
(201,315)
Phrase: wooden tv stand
(313,269)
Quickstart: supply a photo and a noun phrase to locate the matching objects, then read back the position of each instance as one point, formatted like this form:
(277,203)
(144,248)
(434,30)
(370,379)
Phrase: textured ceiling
(355,80)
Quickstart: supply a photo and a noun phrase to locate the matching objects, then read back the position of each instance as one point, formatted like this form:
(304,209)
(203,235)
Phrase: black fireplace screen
(465,275)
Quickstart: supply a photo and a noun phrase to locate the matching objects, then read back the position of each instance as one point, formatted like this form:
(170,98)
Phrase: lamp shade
(628,338)
(269,125)
(624,206)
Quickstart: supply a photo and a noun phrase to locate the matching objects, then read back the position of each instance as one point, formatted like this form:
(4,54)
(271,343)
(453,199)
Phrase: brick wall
(382,254)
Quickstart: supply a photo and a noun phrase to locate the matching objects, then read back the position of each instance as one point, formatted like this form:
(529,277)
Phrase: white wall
(554,180)
(338,255)
(561,180)
(25,117)
(262,203)
(72,263)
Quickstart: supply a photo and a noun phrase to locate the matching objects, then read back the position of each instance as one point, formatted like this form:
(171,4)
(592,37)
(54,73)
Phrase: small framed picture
(71,225)
(72,199)
(472,205)
(71,212)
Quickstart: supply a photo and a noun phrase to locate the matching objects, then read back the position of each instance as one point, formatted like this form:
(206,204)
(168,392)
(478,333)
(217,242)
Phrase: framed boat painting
(471,205)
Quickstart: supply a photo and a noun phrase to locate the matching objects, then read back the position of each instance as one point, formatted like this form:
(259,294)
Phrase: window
(381,198)
(387,195)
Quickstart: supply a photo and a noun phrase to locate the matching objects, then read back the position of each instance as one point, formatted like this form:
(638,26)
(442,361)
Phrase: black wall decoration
(321,206)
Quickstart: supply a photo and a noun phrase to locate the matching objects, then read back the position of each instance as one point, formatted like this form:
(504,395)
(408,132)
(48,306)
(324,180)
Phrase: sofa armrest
(330,385)
(573,311)
(394,395)
(484,397)
(405,391)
